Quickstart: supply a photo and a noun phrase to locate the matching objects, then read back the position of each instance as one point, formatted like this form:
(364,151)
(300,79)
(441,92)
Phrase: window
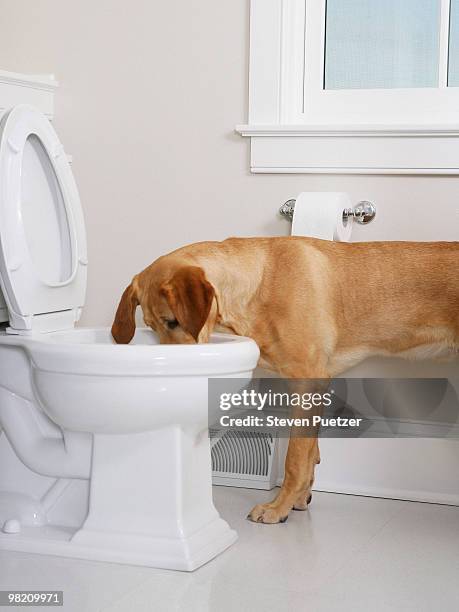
(354,86)
(388,44)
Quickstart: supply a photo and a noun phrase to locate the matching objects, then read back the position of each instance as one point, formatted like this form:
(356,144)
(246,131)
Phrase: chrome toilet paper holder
(363,212)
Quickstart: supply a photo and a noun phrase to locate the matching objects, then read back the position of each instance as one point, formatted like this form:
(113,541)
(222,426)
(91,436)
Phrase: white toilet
(104,450)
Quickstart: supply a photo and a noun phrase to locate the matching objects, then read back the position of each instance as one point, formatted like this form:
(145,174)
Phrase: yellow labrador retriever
(314,307)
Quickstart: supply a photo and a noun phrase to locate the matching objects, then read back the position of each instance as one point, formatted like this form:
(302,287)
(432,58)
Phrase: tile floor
(346,553)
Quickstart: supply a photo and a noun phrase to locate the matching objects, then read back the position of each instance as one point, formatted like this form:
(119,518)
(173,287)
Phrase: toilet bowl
(104,449)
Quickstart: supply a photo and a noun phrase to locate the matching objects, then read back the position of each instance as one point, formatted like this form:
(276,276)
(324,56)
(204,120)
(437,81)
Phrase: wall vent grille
(244,459)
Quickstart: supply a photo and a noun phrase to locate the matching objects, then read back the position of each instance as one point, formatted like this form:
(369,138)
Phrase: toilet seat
(43,259)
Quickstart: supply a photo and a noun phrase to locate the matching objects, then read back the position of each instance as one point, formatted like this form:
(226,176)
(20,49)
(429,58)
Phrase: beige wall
(150,93)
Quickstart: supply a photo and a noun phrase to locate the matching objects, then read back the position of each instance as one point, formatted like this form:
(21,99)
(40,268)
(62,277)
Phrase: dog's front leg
(305,497)
(302,457)
(295,491)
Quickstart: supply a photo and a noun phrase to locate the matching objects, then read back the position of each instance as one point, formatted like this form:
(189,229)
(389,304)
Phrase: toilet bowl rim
(53,339)
(230,354)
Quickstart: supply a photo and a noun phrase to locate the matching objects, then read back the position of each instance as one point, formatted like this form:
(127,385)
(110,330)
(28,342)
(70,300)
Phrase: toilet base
(148,502)
(166,553)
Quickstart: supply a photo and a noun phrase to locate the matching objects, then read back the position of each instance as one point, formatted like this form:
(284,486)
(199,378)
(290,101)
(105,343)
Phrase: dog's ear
(123,327)
(189,295)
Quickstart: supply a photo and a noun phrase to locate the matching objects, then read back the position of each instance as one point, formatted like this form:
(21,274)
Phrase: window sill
(353,149)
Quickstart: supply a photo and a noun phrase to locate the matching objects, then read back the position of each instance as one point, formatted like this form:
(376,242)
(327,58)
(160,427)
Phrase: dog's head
(177,301)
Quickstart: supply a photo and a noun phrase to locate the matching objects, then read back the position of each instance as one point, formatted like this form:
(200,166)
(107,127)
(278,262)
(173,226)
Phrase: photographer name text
(275,421)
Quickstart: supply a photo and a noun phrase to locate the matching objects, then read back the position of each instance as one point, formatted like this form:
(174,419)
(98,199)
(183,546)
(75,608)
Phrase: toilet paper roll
(320,215)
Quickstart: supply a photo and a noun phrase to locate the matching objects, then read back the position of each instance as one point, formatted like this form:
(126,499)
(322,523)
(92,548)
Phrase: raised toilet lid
(43,257)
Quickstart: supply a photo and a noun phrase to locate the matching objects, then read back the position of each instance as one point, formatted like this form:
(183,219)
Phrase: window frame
(335,134)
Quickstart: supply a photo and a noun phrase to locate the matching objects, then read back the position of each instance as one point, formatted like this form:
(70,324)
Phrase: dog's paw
(264,513)
(303,501)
